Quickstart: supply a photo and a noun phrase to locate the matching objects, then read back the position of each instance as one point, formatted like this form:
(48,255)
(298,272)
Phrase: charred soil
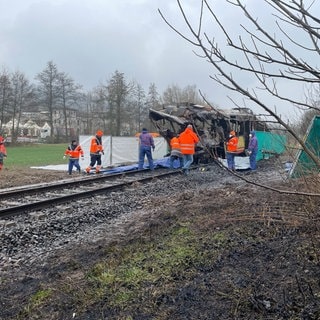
(233,251)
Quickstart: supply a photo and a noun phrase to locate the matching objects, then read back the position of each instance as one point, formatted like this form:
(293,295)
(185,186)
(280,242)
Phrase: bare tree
(22,96)
(118,90)
(138,107)
(171,95)
(153,97)
(265,55)
(69,96)
(101,113)
(174,95)
(5,97)
(88,113)
(49,91)
(153,101)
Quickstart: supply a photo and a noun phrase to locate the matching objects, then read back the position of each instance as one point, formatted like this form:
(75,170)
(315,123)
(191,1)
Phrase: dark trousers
(253,160)
(73,162)
(145,151)
(95,158)
(230,161)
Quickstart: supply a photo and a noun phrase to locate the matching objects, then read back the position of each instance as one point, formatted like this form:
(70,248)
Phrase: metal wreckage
(212,126)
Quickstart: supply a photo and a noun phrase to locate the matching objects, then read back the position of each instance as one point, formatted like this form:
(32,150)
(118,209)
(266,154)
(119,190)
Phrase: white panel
(119,150)
(124,150)
(161,148)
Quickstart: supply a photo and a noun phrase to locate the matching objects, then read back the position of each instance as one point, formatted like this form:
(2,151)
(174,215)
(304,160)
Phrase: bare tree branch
(263,54)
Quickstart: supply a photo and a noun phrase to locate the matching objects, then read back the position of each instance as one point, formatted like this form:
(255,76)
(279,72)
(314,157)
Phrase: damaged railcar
(212,126)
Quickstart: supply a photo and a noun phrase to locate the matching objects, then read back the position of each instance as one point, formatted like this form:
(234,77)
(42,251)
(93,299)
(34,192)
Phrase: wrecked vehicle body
(212,126)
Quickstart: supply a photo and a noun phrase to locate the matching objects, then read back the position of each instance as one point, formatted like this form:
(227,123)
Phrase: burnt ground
(252,253)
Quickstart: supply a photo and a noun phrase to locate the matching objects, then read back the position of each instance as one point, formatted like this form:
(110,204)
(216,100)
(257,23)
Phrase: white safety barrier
(120,150)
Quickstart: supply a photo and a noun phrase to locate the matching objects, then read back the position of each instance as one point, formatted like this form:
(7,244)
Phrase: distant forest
(117,106)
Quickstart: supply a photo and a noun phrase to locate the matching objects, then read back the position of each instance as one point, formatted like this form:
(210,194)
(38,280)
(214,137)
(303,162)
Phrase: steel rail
(64,183)
(24,208)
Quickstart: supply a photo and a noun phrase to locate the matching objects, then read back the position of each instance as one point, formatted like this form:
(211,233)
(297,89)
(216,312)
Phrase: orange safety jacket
(95,146)
(74,153)
(187,140)
(3,149)
(174,143)
(232,144)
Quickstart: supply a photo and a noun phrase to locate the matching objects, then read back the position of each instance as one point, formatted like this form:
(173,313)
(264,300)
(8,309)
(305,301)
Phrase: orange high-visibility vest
(187,140)
(232,144)
(3,149)
(95,146)
(174,143)
(74,154)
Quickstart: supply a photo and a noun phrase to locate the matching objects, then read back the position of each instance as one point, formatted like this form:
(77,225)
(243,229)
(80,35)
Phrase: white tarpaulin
(117,151)
(120,150)
(241,163)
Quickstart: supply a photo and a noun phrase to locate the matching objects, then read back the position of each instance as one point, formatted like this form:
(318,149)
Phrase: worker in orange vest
(96,150)
(188,139)
(3,151)
(232,146)
(175,152)
(74,151)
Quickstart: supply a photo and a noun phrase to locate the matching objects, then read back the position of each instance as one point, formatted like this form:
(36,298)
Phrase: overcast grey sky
(90,39)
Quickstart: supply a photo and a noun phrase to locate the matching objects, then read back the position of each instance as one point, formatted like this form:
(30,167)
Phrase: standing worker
(253,150)
(3,151)
(175,152)
(96,150)
(232,146)
(74,151)
(188,139)
(146,143)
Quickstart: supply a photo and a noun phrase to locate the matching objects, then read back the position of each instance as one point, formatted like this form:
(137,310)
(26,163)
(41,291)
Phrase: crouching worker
(74,151)
(175,153)
(96,150)
(3,152)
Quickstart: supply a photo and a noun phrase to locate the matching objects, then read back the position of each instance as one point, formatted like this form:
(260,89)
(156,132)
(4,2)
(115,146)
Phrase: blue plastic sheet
(160,163)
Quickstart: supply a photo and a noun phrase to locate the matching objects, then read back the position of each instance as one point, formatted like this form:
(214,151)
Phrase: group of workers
(232,150)
(182,148)
(74,152)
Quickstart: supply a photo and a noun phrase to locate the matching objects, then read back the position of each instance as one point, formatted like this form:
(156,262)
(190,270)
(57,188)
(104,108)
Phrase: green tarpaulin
(270,144)
(303,164)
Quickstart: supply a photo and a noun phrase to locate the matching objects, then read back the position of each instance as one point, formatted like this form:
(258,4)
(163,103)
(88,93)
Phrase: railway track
(15,201)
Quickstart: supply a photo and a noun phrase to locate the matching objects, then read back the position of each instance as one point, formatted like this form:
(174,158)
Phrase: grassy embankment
(179,267)
(140,273)
(34,155)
